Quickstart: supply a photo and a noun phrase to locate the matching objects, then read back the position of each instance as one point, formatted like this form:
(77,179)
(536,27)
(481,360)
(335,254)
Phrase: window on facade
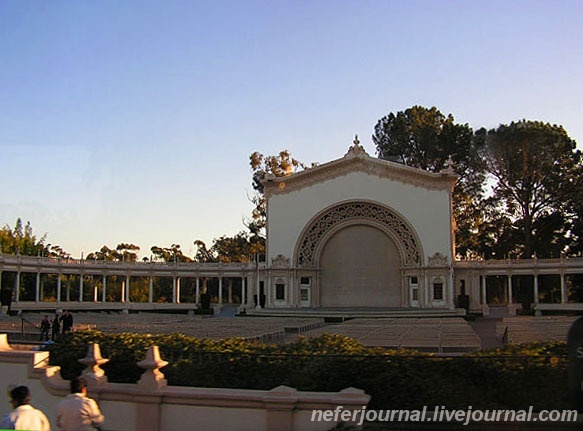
(438,291)
(414,280)
(305,281)
(279,291)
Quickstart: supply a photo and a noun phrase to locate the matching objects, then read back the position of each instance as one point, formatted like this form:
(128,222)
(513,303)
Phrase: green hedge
(515,378)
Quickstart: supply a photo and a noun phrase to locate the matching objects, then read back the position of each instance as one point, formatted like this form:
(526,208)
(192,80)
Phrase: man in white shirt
(78,412)
(24,416)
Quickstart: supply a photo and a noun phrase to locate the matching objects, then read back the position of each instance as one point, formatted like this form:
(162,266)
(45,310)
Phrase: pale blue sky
(133,120)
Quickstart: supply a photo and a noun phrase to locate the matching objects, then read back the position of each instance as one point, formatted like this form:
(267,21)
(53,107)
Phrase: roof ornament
(356,150)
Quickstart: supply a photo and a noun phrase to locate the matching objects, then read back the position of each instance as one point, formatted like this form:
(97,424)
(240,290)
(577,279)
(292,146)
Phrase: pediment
(358,160)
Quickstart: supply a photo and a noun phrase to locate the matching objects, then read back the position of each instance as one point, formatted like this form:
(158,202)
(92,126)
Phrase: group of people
(77,412)
(65,319)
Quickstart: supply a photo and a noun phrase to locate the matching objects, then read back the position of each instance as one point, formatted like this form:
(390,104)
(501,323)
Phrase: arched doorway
(359,250)
(360,267)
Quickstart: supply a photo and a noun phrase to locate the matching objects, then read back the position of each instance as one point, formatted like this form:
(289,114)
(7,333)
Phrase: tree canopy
(519,190)
(21,240)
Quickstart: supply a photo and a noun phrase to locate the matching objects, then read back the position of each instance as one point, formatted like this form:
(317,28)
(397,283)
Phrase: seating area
(430,334)
(442,335)
(274,330)
(529,329)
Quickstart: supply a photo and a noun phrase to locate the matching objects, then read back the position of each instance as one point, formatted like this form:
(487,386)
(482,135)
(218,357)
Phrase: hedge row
(514,378)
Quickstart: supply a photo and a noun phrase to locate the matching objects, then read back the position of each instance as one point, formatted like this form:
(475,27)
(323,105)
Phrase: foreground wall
(151,405)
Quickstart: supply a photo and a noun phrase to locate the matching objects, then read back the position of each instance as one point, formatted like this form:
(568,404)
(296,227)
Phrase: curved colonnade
(43,281)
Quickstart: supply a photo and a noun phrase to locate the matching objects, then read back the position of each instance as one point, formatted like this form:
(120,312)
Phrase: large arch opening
(360,267)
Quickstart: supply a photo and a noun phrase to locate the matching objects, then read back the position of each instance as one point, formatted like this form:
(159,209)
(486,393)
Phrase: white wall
(428,211)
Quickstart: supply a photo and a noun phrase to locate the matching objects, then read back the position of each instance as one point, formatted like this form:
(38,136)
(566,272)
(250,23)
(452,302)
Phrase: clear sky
(133,120)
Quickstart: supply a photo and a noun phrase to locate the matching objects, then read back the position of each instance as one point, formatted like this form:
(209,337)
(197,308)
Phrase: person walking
(45,325)
(67,319)
(24,416)
(56,326)
(78,412)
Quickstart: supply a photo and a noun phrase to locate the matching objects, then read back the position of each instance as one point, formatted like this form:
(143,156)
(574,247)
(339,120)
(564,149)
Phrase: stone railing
(152,405)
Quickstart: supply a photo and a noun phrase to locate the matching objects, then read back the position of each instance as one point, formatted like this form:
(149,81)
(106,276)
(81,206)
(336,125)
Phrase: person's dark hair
(78,384)
(20,395)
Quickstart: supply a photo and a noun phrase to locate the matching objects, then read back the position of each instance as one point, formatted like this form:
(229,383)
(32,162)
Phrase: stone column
(535,288)
(17,287)
(104,288)
(59,287)
(177,290)
(484,300)
(81,287)
(244,283)
(174,289)
(220,290)
(197,293)
(128,288)
(123,291)
(563,288)
(151,290)
(37,288)
(509,276)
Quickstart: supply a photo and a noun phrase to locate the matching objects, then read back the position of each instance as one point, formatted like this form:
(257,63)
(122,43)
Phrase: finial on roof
(356,150)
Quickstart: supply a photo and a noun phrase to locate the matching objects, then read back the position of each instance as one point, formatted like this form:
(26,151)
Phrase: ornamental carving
(366,211)
(438,259)
(280,261)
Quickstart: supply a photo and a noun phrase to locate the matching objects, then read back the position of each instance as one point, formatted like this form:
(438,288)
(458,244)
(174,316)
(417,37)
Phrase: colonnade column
(177,290)
(104,288)
(59,287)
(220,290)
(174,289)
(37,288)
(197,293)
(484,299)
(509,288)
(127,288)
(151,290)
(535,288)
(123,291)
(80,287)
(563,287)
(17,287)
(95,292)
(244,282)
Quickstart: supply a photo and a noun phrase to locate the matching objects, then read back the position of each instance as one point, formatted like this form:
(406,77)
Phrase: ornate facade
(360,232)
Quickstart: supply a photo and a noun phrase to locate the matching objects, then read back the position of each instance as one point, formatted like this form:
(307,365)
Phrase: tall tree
(21,240)
(427,139)
(536,169)
(280,165)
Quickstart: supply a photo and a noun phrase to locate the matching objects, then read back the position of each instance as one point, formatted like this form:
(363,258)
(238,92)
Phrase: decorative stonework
(93,361)
(357,160)
(356,150)
(280,261)
(152,378)
(438,259)
(366,211)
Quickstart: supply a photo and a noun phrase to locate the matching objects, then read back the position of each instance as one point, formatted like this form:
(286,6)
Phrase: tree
(536,170)
(123,252)
(280,165)
(21,240)
(169,254)
(242,247)
(427,139)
